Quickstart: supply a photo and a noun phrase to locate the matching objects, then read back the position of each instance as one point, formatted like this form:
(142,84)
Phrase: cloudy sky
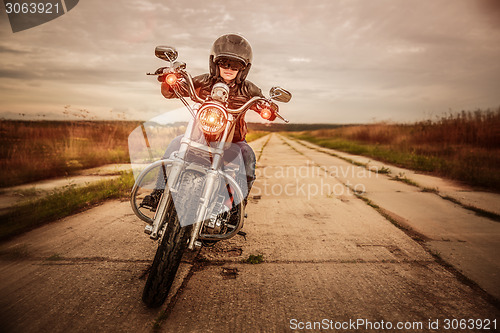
(344,61)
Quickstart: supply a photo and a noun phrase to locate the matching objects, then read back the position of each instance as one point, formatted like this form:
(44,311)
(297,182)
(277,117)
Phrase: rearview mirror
(280,94)
(166,53)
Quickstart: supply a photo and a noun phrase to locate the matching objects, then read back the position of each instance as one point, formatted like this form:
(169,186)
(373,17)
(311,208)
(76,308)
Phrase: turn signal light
(171,79)
(266,113)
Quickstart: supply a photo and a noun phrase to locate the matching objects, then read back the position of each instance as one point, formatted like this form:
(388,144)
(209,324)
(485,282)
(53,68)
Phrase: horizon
(444,116)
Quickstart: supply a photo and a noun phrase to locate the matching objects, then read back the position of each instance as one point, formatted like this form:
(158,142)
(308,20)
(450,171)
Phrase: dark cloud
(13,74)
(8,50)
(490,10)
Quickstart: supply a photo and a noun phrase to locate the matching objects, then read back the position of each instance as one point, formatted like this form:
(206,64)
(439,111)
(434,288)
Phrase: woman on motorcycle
(229,62)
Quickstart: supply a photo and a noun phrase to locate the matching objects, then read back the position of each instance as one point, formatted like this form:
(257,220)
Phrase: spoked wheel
(150,183)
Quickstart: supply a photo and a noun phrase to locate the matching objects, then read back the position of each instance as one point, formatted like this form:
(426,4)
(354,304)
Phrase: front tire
(172,245)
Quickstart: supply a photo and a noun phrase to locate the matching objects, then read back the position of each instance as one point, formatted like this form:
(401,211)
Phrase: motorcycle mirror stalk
(166,53)
(279,94)
(169,54)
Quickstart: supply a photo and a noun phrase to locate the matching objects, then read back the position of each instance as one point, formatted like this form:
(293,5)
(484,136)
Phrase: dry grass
(32,151)
(254,135)
(463,146)
(479,129)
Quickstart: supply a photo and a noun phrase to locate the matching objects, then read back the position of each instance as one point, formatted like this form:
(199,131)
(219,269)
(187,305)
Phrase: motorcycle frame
(176,165)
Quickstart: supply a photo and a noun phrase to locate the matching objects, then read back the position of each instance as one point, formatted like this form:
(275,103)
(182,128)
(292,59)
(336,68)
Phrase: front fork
(173,175)
(212,178)
(166,199)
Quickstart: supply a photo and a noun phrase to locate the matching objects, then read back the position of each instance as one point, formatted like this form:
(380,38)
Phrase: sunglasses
(233,65)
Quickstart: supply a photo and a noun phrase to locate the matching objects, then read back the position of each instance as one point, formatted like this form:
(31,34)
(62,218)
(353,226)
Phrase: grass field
(254,135)
(35,150)
(464,147)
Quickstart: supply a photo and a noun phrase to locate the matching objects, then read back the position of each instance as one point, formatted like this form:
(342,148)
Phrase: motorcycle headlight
(212,119)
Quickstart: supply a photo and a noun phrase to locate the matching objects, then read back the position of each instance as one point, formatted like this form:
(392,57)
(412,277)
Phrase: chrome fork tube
(173,175)
(166,199)
(217,161)
(185,140)
(204,201)
(210,185)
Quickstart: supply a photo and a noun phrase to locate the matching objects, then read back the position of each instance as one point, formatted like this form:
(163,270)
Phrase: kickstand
(242,233)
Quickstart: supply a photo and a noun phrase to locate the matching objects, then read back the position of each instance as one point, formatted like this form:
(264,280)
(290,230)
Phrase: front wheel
(173,243)
(166,262)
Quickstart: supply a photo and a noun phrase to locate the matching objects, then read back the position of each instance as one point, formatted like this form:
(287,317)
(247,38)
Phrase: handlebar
(180,69)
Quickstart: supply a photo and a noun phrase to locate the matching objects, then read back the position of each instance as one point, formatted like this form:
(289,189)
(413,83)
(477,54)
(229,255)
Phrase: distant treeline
(51,123)
(280,127)
(276,127)
(268,127)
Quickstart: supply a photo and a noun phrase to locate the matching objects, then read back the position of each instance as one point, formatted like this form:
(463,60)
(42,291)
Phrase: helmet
(234,47)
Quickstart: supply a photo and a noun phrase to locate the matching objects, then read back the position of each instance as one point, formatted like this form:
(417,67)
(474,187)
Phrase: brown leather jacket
(239,94)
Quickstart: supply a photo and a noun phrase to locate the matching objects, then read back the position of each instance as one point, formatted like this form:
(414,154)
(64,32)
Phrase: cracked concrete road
(326,255)
(467,241)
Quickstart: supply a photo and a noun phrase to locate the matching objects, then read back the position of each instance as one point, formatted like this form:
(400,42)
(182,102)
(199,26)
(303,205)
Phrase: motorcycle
(202,185)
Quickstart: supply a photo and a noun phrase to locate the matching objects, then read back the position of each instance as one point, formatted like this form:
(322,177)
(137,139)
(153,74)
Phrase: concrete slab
(427,214)
(275,297)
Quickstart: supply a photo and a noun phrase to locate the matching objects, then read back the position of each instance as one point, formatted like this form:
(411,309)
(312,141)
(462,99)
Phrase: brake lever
(279,116)
(269,100)
(179,65)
